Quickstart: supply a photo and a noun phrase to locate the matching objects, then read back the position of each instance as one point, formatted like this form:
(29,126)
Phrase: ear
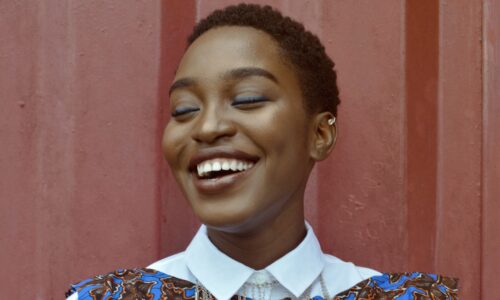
(324,135)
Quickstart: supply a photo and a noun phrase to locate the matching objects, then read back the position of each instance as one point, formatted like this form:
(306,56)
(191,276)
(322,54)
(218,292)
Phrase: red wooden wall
(413,184)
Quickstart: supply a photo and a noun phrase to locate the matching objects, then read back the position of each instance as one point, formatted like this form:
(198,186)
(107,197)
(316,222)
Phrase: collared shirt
(303,273)
(296,274)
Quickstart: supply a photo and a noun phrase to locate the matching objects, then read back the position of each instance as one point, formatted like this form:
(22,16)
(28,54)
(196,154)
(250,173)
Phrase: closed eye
(249,101)
(184,110)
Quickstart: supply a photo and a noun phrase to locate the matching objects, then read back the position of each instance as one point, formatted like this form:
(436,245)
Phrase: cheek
(281,137)
(283,130)
(172,143)
(279,126)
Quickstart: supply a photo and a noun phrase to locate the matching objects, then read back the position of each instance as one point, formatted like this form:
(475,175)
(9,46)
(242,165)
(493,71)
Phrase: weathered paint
(490,183)
(421,111)
(411,185)
(79,126)
(459,140)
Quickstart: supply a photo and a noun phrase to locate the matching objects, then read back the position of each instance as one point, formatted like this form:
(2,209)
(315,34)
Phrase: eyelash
(237,102)
(184,110)
(249,100)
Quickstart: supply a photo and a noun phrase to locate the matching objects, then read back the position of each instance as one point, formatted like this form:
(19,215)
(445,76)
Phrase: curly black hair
(300,47)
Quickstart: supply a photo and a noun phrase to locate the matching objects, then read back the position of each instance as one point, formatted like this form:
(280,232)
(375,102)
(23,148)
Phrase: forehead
(229,47)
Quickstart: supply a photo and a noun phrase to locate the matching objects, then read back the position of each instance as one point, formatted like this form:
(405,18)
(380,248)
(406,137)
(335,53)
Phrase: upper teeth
(218,164)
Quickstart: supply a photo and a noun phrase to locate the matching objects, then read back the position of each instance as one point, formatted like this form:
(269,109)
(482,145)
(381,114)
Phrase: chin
(226,220)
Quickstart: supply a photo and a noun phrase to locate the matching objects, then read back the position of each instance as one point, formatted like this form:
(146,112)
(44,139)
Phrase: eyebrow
(239,73)
(181,83)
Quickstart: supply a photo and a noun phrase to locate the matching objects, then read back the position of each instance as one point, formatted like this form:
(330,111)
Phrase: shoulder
(341,275)
(403,286)
(174,265)
(154,276)
(133,284)
(173,260)
(333,262)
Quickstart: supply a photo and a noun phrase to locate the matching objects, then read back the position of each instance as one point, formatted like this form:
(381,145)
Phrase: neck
(262,245)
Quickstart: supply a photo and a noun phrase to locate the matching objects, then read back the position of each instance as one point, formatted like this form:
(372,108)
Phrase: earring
(331,121)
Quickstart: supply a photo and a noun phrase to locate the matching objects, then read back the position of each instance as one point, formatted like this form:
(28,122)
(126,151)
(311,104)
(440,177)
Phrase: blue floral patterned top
(139,284)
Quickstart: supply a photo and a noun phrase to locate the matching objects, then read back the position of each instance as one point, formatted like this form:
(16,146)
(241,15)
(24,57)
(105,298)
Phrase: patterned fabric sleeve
(139,284)
(403,286)
(134,284)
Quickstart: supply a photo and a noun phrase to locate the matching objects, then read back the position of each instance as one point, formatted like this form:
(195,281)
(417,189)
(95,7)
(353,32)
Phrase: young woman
(253,103)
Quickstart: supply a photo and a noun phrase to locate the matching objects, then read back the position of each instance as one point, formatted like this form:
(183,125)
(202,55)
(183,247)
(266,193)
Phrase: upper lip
(219,152)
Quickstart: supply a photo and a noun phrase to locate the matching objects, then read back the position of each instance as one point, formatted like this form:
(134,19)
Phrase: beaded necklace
(260,289)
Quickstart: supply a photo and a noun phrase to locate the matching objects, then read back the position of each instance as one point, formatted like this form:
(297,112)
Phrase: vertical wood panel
(422,52)
(18,154)
(116,51)
(491,150)
(78,114)
(458,235)
(360,188)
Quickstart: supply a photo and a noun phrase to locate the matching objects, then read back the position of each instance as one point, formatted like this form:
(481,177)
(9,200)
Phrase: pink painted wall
(411,185)
(490,177)
(79,128)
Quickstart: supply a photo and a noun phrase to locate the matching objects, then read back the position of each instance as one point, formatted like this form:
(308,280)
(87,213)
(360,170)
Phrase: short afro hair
(314,68)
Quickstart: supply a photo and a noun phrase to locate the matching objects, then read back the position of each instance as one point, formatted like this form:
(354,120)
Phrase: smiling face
(239,140)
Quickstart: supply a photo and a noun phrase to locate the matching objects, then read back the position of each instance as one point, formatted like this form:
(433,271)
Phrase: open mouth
(220,167)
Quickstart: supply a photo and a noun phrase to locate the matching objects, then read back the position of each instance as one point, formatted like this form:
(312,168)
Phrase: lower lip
(217,185)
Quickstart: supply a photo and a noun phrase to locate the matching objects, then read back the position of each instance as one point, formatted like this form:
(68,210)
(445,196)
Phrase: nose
(213,125)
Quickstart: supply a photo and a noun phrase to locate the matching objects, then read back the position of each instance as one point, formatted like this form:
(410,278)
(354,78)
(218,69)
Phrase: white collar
(224,276)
